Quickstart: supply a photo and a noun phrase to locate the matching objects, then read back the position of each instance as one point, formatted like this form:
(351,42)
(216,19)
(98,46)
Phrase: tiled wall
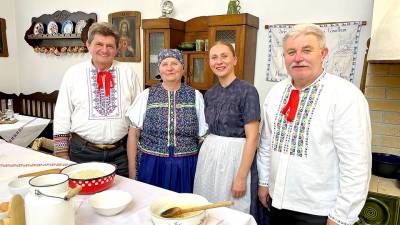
(383,94)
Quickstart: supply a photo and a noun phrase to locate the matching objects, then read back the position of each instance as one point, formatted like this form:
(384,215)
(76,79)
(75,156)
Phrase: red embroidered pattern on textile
(33,164)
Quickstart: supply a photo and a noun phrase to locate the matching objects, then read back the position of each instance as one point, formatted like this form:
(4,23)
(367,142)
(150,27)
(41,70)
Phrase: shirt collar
(316,81)
(93,69)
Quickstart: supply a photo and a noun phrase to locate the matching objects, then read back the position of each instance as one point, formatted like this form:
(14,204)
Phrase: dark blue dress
(228,109)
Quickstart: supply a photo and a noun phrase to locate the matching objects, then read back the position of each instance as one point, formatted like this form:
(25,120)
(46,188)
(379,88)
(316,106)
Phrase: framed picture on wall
(3,39)
(127,23)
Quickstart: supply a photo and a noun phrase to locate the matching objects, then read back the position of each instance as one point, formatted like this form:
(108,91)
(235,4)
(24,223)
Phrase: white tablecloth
(15,160)
(24,131)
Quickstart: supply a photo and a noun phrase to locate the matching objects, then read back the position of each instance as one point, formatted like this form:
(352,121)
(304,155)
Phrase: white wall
(9,75)
(40,72)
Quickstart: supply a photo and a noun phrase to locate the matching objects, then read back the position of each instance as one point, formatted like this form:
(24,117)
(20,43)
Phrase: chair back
(39,104)
(3,102)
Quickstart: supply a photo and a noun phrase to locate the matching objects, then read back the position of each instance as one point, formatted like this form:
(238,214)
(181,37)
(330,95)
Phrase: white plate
(79,26)
(52,27)
(67,27)
(38,28)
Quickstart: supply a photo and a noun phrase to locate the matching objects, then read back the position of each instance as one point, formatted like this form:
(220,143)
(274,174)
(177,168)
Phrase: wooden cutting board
(8,121)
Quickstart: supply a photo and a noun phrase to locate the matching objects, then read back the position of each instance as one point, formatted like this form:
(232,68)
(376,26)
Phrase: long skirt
(218,163)
(172,173)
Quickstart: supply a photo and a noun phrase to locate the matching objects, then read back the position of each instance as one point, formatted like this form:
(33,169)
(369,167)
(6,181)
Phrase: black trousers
(80,152)
(288,217)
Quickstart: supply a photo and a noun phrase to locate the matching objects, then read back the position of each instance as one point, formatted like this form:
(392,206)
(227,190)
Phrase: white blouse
(137,112)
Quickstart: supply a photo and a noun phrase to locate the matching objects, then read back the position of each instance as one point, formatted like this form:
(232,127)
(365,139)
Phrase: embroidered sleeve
(338,221)
(352,138)
(64,106)
(61,144)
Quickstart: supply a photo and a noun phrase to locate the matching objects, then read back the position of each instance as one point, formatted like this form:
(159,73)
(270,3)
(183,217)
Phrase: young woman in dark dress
(232,110)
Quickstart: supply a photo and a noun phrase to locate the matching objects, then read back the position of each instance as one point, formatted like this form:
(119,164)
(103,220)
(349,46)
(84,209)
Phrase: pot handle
(71,193)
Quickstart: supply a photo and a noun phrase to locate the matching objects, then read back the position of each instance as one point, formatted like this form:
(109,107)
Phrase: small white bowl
(110,202)
(19,186)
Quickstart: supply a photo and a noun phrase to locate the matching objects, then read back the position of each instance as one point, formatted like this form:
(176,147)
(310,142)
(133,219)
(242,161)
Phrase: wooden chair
(3,102)
(38,104)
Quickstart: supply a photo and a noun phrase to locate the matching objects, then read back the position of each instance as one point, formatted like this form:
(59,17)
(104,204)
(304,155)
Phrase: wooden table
(24,131)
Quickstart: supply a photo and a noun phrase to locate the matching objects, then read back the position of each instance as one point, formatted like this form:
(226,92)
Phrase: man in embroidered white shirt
(314,158)
(89,118)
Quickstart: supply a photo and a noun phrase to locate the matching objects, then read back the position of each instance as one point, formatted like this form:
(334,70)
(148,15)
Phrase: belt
(104,147)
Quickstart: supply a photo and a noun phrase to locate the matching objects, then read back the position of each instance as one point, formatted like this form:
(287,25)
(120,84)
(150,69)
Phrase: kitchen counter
(384,186)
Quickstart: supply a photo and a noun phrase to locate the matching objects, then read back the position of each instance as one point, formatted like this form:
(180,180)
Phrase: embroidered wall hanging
(342,41)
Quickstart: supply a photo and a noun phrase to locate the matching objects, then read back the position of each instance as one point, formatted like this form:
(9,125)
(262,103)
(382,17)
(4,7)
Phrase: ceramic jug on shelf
(45,203)
(233,7)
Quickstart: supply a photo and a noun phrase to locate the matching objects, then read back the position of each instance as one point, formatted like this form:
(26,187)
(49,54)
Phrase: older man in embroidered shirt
(89,118)
(315,153)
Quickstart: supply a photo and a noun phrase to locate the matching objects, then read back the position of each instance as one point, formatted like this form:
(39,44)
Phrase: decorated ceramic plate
(52,27)
(67,27)
(79,26)
(38,28)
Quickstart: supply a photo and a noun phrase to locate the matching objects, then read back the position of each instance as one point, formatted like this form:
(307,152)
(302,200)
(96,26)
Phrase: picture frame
(3,39)
(127,23)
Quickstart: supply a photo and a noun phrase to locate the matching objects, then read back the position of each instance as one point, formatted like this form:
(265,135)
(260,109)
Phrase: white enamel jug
(45,204)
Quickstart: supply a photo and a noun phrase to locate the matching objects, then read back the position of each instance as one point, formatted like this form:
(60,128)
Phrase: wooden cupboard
(239,29)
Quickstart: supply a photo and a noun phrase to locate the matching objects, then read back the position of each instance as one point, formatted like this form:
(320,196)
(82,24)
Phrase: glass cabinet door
(198,71)
(156,44)
(233,35)
(155,41)
(227,36)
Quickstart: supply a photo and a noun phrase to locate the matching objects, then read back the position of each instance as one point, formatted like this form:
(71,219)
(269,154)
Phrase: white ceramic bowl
(19,186)
(178,200)
(110,202)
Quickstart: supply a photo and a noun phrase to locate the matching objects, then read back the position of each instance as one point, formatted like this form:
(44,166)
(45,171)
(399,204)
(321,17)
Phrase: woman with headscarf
(166,122)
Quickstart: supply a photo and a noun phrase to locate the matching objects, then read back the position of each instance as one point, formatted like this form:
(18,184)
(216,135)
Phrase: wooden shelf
(54,36)
(59,41)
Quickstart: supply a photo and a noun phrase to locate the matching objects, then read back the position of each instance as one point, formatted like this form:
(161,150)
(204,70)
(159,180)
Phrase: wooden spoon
(43,172)
(176,211)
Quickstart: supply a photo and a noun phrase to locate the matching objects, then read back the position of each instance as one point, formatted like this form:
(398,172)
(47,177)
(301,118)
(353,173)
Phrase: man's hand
(330,222)
(238,187)
(263,195)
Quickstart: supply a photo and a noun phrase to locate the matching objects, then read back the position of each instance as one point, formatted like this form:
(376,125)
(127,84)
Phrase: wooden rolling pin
(16,212)
(43,172)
